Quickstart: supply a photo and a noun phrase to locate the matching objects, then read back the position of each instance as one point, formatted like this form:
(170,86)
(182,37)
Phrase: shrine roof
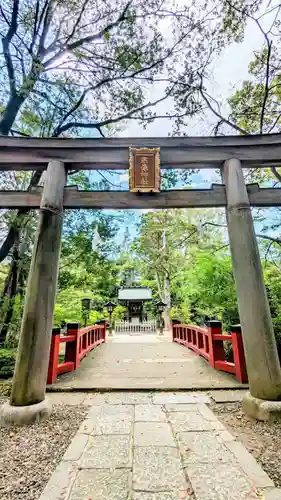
(138,293)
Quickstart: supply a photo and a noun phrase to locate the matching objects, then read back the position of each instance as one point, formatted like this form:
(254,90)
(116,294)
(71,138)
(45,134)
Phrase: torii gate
(231,154)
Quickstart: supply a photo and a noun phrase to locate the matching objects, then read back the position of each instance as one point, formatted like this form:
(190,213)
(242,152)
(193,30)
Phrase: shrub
(7,362)
(228,351)
(181,313)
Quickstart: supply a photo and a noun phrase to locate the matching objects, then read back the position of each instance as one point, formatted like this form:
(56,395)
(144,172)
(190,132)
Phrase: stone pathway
(156,446)
(144,362)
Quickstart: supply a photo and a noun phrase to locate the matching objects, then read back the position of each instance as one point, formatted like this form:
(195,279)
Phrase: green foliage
(12,338)
(256,97)
(68,307)
(235,16)
(180,312)
(118,313)
(3,274)
(7,362)
(273,286)
(209,287)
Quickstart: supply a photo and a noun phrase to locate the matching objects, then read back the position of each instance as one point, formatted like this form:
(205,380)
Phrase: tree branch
(76,24)
(34,26)
(4,16)
(276,173)
(269,238)
(258,235)
(275,123)
(6,46)
(218,115)
(71,111)
(267,252)
(266,89)
(88,39)
(46,18)
(109,121)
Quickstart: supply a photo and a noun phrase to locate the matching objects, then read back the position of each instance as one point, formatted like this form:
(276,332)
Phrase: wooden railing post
(216,350)
(174,323)
(238,354)
(72,348)
(54,356)
(104,331)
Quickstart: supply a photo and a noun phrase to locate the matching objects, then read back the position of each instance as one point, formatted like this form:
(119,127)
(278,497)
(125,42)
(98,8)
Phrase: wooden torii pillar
(262,402)
(28,402)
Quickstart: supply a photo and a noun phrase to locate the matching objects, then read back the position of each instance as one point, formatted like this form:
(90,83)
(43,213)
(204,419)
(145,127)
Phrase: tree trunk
(14,104)
(9,115)
(10,290)
(165,296)
(167,301)
(14,230)
(11,241)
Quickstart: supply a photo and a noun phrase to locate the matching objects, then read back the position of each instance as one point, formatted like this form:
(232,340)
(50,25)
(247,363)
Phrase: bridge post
(27,402)
(258,337)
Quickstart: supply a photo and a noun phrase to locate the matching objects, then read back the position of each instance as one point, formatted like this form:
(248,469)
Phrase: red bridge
(206,342)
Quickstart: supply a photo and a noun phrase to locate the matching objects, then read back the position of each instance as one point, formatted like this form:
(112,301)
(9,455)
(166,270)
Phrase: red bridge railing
(79,341)
(208,342)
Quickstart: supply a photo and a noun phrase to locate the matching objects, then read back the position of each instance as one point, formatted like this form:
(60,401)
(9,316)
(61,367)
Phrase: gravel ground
(261,439)
(28,455)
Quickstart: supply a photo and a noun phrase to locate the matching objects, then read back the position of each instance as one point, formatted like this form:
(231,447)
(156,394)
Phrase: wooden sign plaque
(145,170)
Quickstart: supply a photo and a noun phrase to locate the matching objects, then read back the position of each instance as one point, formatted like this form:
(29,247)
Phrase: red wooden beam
(209,344)
(79,342)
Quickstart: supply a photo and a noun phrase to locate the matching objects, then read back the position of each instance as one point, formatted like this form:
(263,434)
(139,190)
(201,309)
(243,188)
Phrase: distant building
(134,299)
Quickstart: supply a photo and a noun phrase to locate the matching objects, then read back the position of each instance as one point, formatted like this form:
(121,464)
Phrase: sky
(228,72)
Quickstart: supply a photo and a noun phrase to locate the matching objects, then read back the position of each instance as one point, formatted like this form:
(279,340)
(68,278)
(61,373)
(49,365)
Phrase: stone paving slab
(150,413)
(222,482)
(195,447)
(227,396)
(114,419)
(59,486)
(156,449)
(91,399)
(249,465)
(192,421)
(153,434)
(224,436)
(133,398)
(90,422)
(206,413)
(176,495)
(77,446)
(157,469)
(184,407)
(163,398)
(101,485)
(107,452)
